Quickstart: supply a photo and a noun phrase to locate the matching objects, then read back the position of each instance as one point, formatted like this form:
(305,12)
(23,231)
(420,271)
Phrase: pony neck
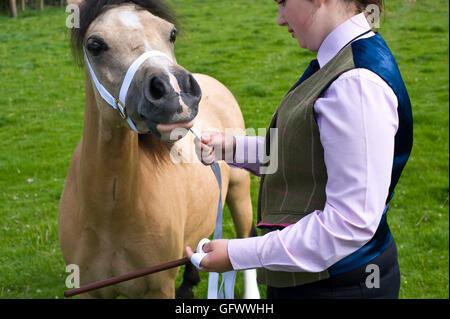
(109,163)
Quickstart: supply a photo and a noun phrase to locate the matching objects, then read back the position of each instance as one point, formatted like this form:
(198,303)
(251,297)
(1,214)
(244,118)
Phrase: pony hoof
(184,292)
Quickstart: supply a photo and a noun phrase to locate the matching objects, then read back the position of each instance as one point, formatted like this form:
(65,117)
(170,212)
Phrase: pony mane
(91,9)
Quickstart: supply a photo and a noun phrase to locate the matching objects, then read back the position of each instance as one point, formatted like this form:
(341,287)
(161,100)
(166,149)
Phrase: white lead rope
(226,289)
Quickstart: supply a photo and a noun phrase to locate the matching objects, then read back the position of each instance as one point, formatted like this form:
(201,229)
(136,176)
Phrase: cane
(125,277)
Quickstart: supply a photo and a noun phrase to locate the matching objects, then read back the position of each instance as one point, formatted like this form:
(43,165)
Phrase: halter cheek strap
(119,104)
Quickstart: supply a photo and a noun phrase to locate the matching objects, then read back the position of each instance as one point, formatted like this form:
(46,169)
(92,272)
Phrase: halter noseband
(119,104)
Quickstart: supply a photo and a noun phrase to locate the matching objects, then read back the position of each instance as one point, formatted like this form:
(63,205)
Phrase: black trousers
(379,278)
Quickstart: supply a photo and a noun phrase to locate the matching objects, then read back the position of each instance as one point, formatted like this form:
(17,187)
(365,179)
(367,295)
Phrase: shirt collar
(341,36)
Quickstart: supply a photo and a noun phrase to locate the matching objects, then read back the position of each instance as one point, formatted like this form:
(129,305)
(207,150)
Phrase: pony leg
(251,290)
(239,202)
(240,205)
(190,279)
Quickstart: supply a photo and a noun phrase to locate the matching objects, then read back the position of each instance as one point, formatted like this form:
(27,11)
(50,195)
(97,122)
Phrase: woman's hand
(215,146)
(217,259)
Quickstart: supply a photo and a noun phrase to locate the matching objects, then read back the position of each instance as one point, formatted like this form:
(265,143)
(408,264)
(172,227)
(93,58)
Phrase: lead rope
(226,289)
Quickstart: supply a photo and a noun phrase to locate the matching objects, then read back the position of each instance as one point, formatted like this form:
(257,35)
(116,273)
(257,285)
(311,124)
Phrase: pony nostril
(193,86)
(157,88)
(190,82)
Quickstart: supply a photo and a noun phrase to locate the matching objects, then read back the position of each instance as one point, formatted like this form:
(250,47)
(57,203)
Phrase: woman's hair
(361,5)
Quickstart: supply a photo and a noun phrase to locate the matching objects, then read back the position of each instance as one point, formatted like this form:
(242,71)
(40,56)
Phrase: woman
(344,136)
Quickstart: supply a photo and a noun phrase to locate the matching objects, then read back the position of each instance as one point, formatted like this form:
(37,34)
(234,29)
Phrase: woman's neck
(329,15)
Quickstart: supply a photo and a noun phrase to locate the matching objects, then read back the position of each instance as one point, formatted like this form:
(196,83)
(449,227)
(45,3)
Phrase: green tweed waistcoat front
(297,188)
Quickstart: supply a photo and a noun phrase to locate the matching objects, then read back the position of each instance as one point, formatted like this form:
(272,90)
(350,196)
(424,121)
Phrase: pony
(128,201)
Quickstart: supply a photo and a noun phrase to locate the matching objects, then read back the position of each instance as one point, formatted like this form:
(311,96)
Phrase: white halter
(119,104)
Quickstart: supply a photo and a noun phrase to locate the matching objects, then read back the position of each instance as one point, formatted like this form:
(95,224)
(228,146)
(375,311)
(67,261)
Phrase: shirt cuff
(243,253)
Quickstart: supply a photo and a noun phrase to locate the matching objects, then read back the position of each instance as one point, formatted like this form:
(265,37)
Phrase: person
(344,134)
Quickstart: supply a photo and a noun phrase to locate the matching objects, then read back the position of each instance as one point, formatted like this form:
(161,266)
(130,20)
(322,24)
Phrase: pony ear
(75,2)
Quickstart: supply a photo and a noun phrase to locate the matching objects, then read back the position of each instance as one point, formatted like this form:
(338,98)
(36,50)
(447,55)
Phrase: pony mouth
(171,132)
(167,128)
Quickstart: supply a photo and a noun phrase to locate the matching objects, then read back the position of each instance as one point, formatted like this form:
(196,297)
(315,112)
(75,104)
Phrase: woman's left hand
(217,259)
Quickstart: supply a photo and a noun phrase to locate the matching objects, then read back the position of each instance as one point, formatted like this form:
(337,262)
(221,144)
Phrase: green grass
(239,43)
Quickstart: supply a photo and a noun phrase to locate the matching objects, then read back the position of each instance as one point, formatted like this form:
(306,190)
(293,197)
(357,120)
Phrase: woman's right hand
(215,146)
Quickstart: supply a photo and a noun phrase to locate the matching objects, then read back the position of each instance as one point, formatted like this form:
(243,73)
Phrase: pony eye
(173,35)
(95,47)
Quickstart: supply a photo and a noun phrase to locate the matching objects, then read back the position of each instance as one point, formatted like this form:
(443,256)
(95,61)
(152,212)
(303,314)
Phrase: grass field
(239,43)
